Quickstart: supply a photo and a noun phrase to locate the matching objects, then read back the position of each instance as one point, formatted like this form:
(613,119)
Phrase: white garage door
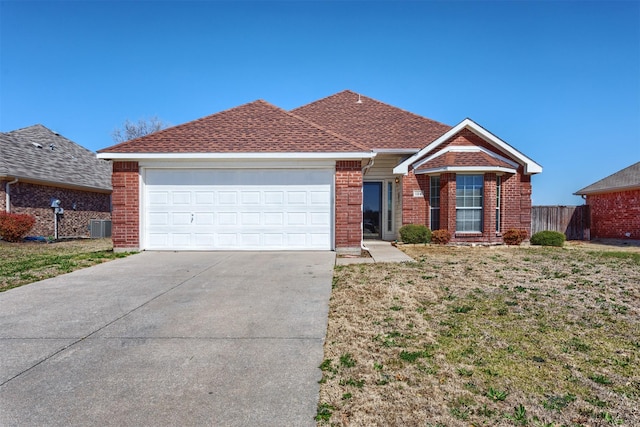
(237,209)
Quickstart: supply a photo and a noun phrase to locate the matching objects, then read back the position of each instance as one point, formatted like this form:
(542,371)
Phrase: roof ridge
(360,96)
(323,99)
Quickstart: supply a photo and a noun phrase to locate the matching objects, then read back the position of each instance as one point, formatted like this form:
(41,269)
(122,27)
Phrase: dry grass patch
(485,336)
(28,262)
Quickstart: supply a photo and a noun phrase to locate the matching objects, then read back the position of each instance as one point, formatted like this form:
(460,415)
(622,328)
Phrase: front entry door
(372,210)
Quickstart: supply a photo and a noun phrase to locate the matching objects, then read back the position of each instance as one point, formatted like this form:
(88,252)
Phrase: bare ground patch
(485,336)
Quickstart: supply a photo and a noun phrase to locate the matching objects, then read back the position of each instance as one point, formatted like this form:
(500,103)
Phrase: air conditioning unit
(99,228)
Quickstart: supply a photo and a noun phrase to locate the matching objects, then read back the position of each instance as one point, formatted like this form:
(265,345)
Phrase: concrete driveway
(166,338)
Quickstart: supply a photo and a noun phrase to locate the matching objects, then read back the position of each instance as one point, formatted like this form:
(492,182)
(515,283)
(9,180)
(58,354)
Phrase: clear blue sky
(560,81)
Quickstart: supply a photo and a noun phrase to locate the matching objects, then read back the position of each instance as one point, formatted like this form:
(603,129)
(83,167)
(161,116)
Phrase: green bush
(441,237)
(514,236)
(415,233)
(548,238)
(13,227)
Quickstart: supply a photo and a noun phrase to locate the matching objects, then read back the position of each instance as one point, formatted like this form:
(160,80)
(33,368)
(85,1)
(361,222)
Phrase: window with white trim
(434,202)
(469,189)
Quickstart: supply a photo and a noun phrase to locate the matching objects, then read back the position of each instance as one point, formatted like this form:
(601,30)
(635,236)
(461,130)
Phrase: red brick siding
(35,199)
(516,201)
(125,229)
(348,189)
(414,209)
(515,205)
(614,214)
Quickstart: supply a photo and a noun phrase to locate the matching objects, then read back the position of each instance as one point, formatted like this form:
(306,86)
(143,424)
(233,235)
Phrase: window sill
(468,234)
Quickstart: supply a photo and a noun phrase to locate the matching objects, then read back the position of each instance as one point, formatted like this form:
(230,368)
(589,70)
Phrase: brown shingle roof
(624,179)
(463,158)
(373,123)
(251,128)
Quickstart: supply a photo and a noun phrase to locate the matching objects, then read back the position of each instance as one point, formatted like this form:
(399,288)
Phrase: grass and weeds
(485,337)
(28,262)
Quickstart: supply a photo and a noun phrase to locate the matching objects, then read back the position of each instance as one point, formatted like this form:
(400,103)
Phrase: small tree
(133,130)
(13,226)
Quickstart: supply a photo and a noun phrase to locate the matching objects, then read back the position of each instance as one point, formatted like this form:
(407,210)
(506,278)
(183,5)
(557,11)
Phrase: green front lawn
(28,262)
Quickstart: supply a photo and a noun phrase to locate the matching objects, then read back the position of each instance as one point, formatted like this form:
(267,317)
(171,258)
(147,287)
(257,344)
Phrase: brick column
(414,209)
(489,209)
(348,209)
(448,202)
(125,200)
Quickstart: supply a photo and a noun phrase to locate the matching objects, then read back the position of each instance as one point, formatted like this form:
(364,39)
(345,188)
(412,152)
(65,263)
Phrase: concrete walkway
(166,338)
(380,252)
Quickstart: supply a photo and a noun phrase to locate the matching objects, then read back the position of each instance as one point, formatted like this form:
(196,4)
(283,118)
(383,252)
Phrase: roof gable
(37,153)
(624,179)
(530,167)
(467,159)
(256,127)
(377,125)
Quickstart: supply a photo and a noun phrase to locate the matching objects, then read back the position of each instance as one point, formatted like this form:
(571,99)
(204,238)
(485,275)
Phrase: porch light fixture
(397,179)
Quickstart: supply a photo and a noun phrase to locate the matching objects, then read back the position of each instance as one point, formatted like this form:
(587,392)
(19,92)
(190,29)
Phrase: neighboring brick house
(614,204)
(323,176)
(38,165)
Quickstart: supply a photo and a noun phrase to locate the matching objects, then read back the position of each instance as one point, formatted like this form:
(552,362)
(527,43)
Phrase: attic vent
(35,144)
(52,146)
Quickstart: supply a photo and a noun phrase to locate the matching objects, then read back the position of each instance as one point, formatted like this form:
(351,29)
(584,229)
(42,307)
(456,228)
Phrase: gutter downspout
(7,191)
(364,171)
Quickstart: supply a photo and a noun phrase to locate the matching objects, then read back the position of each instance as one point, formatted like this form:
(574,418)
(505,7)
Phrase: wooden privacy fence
(573,221)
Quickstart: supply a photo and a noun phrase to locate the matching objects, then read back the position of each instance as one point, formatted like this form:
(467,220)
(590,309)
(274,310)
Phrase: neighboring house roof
(625,179)
(530,167)
(376,125)
(257,127)
(40,155)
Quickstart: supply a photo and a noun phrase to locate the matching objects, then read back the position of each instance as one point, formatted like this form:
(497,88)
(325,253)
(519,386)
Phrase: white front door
(237,209)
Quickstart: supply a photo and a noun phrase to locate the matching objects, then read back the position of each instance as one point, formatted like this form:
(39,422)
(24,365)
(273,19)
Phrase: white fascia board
(465,169)
(237,156)
(395,150)
(530,167)
(238,164)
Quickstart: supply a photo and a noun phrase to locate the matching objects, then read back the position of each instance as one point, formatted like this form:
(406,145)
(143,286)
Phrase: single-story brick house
(614,204)
(37,166)
(322,176)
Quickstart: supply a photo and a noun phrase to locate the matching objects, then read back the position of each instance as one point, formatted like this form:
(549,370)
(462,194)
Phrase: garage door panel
(181,197)
(227,218)
(204,197)
(297,197)
(238,209)
(274,218)
(227,197)
(204,218)
(181,218)
(274,197)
